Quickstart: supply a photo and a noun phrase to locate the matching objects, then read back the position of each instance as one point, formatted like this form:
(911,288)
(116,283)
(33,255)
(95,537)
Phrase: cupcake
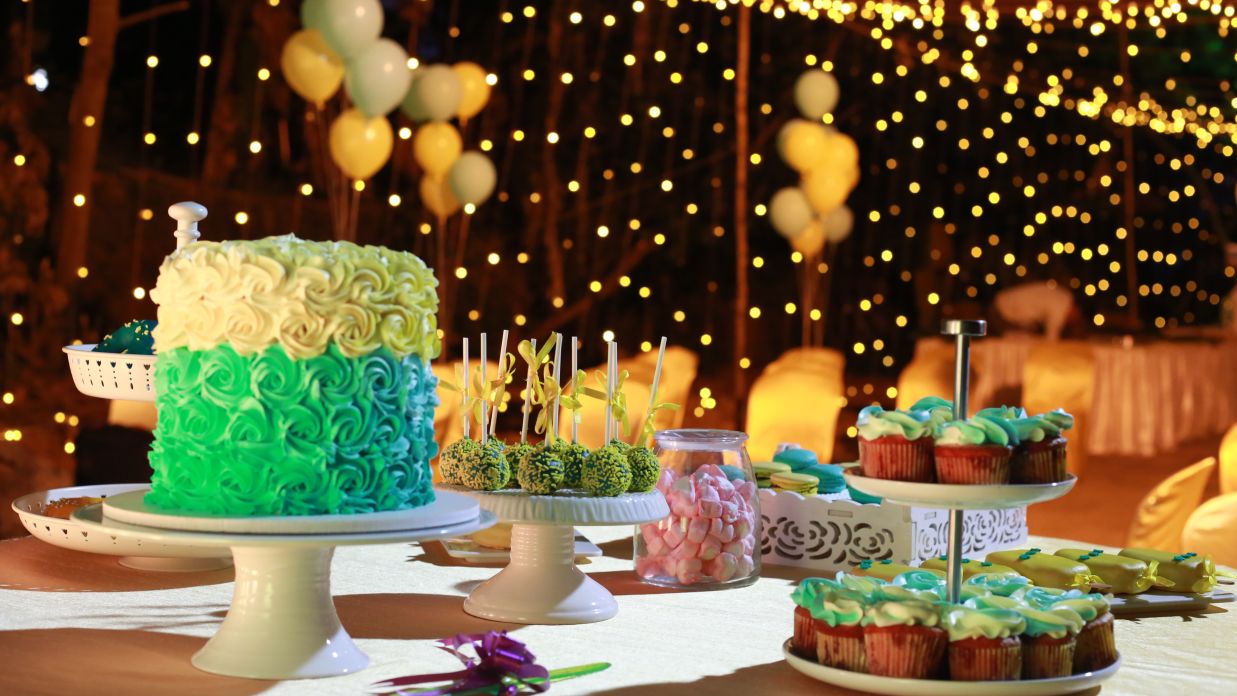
(827,624)
(895,445)
(803,640)
(1096,646)
(1040,454)
(1002,412)
(975,451)
(984,643)
(904,639)
(1000,583)
(933,409)
(1049,641)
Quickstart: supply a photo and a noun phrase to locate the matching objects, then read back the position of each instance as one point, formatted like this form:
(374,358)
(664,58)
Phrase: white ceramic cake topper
(187,215)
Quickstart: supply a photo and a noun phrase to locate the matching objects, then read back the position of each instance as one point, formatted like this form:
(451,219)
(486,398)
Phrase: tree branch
(153,13)
(611,283)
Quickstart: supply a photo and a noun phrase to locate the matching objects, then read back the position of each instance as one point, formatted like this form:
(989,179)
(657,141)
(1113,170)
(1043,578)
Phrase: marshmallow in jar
(712,536)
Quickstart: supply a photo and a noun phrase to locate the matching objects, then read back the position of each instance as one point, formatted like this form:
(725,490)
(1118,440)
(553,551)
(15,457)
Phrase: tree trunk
(89,98)
(221,151)
(549,161)
(742,71)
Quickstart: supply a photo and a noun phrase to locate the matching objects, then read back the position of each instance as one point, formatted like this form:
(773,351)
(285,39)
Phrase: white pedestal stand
(282,623)
(541,584)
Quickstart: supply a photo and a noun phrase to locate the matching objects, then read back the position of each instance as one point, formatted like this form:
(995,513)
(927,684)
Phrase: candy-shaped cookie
(970,567)
(1189,572)
(1047,570)
(1123,574)
(885,570)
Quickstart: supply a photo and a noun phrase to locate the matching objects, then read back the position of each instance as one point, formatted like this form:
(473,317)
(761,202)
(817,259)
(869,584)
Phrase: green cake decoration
(134,338)
(541,473)
(645,469)
(607,473)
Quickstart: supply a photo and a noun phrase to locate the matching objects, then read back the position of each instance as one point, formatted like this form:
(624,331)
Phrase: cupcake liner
(907,652)
(841,647)
(1039,462)
(804,640)
(973,464)
(1046,657)
(1096,646)
(986,659)
(895,458)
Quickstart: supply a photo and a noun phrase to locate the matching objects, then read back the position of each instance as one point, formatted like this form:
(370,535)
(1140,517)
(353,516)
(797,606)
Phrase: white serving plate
(448,509)
(134,553)
(112,375)
(959,496)
(944,687)
(1157,601)
(465,549)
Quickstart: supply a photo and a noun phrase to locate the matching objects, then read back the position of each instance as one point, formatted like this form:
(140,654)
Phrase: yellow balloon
(436,147)
(437,197)
(310,66)
(803,144)
(841,155)
(826,190)
(474,90)
(360,145)
(811,241)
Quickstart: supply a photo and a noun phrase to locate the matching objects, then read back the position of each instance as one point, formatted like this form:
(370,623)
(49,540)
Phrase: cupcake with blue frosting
(975,451)
(895,445)
(1040,454)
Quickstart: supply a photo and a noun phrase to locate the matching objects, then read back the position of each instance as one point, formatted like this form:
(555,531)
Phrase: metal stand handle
(962,330)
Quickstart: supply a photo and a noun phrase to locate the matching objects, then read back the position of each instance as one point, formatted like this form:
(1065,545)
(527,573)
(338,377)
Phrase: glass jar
(711,539)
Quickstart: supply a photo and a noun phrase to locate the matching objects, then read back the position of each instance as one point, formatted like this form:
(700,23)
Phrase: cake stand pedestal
(541,584)
(282,623)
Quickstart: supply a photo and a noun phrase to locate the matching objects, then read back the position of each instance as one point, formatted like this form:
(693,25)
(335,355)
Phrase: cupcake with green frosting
(1049,641)
(984,644)
(903,639)
(1040,454)
(975,451)
(934,409)
(606,472)
(1095,646)
(895,445)
(1003,412)
(827,624)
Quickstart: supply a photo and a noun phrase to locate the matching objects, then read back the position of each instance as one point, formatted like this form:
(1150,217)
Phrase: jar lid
(704,439)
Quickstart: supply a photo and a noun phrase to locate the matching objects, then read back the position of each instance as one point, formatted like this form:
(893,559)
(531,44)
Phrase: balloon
(435,94)
(811,242)
(826,190)
(436,147)
(841,155)
(472,178)
(838,224)
(802,144)
(311,13)
(411,106)
(816,93)
(790,212)
(378,78)
(360,145)
(347,25)
(474,90)
(437,197)
(310,66)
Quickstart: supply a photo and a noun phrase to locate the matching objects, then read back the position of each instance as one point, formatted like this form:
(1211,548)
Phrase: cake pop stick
(528,394)
(502,379)
(558,376)
(464,397)
(609,391)
(485,389)
(648,414)
(575,385)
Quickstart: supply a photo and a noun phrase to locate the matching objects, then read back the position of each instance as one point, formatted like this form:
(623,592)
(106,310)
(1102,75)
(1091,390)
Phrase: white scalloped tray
(570,507)
(112,375)
(448,509)
(891,686)
(960,496)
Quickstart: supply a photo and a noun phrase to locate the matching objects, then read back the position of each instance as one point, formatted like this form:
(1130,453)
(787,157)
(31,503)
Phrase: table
(77,623)
(1149,397)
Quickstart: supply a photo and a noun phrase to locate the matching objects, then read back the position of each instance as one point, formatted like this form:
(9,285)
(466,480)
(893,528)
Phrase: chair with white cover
(1163,513)
(929,373)
(132,414)
(796,399)
(1062,375)
(1212,528)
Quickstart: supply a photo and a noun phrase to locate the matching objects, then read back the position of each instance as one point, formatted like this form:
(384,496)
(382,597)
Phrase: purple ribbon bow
(502,663)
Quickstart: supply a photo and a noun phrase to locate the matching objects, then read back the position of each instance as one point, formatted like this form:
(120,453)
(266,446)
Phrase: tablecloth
(1148,397)
(74,623)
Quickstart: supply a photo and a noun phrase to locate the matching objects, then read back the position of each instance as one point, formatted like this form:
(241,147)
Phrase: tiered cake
(293,379)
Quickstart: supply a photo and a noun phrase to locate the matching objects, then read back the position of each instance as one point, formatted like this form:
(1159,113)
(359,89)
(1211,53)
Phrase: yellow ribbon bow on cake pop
(646,433)
(618,400)
(498,386)
(572,401)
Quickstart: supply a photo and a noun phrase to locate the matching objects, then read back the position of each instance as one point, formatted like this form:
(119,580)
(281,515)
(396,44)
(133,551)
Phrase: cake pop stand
(282,623)
(541,584)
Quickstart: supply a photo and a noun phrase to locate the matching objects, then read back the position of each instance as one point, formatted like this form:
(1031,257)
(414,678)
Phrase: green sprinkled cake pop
(486,469)
(645,469)
(573,456)
(606,472)
(453,457)
(515,455)
(134,338)
(620,445)
(541,473)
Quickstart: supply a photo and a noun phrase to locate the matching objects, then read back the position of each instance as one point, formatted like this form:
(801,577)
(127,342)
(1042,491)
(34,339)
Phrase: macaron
(732,472)
(829,477)
(803,484)
(764,470)
(798,459)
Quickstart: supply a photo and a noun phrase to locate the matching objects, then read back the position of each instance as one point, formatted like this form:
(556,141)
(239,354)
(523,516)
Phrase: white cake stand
(282,623)
(541,584)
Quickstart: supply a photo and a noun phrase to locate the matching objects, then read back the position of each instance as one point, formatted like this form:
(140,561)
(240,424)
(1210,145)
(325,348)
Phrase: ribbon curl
(618,400)
(646,433)
(502,665)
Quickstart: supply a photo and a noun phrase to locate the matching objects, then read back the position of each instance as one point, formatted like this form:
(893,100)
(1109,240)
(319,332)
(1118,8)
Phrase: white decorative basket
(112,375)
(827,535)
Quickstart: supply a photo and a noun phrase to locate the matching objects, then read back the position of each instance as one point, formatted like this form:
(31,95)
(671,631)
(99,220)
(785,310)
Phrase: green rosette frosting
(1000,584)
(265,434)
(572,456)
(645,469)
(541,472)
(1035,429)
(977,431)
(964,622)
(875,422)
(934,409)
(921,581)
(911,612)
(1059,418)
(864,585)
(1002,412)
(606,472)
(1056,622)
(992,601)
(1044,597)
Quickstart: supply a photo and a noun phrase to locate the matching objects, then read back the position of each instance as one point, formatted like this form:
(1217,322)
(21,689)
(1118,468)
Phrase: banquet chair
(140,415)
(929,373)
(1062,375)
(796,399)
(1212,528)
(1163,513)
(1228,461)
